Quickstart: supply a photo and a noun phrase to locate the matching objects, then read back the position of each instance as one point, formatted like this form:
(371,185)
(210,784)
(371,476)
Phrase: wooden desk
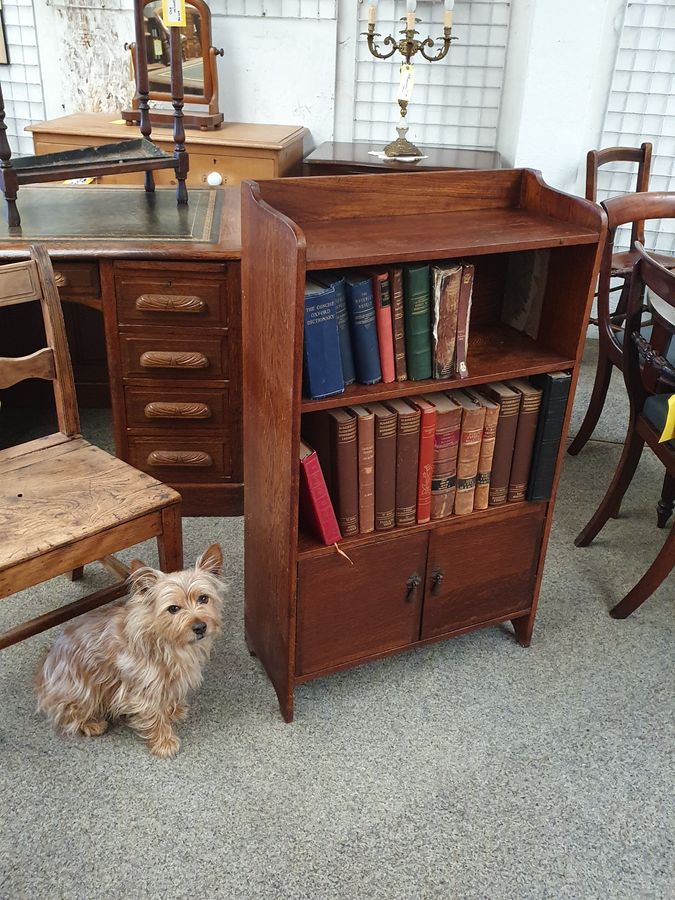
(167,282)
(340,158)
(235,150)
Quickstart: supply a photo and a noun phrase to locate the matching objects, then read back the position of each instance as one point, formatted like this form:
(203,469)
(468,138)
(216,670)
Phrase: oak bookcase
(308,612)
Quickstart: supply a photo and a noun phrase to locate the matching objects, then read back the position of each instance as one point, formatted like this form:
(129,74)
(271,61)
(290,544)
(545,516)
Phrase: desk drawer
(81,279)
(177,459)
(177,410)
(171,295)
(199,356)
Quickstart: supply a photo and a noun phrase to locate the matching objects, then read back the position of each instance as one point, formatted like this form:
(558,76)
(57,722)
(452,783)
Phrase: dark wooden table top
(115,220)
(356,155)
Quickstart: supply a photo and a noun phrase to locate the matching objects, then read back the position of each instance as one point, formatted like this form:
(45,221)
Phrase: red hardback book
(425,466)
(316,508)
(446,447)
(384,323)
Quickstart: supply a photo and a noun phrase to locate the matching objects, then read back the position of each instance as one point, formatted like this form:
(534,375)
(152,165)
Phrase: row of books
(411,460)
(408,322)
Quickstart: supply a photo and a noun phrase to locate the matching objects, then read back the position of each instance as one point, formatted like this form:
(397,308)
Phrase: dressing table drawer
(192,408)
(159,356)
(172,295)
(181,459)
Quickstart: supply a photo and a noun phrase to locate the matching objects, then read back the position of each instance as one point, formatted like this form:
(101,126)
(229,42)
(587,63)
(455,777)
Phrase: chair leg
(630,457)
(603,375)
(170,541)
(664,508)
(653,577)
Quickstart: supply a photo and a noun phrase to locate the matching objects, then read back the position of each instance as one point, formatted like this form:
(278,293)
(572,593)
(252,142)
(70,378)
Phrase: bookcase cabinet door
(346,613)
(482,570)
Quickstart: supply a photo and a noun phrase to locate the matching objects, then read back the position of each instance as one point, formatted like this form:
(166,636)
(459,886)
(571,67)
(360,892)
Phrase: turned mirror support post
(142,84)
(8,180)
(180,154)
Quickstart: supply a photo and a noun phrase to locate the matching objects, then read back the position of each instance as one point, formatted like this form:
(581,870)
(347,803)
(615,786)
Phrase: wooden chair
(619,265)
(650,380)
(63,502)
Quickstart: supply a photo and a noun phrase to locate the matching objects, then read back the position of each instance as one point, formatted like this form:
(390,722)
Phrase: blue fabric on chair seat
(656,411)
(646,333)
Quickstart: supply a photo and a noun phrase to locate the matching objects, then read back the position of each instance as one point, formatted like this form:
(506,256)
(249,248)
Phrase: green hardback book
(417,318)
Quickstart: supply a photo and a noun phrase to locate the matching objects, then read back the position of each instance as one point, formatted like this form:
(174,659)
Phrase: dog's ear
(142,577)
(211,560)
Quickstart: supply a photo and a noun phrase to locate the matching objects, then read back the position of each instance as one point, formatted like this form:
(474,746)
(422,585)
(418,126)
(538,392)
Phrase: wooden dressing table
(167,282)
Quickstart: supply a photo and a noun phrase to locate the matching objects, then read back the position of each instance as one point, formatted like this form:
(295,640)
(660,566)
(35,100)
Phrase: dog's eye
(202,598)
(173,609)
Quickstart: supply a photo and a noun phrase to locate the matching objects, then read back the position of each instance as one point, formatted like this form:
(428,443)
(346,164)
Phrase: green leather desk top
(100,220)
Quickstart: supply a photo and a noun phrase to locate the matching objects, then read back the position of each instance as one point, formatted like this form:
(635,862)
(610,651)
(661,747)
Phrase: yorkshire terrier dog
(136,659)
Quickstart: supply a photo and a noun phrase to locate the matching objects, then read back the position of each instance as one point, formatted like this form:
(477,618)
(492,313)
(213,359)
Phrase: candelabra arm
(442,51)
(373,47)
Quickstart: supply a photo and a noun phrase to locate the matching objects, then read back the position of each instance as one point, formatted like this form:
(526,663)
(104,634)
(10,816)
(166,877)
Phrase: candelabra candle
(408,46)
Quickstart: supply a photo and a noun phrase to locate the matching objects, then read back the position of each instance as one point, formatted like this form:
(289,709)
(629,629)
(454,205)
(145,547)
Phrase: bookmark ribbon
(669,428)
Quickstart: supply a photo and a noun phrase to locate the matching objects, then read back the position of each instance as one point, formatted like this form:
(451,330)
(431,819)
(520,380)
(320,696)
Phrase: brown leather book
(396,288)
(407,459)
(487,448)
(365,432)
(507,424)
(446,283)
(463,319)
(385,466)
(332,433)
(446,445)
(527,430)
(473,420)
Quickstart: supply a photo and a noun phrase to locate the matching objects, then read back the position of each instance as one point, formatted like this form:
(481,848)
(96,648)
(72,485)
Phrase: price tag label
(173,13)
(669,427)
(406,82)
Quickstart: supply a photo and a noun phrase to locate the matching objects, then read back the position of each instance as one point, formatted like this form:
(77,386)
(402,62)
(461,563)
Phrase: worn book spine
(346,471)
(346,354)
(487,448)
(363,330)
(524,444)
(407,460)
(425,466)
(316,508)
(446,283)
(467,460)
(385,330)
(417,309)
(322,370)
(385,467)
(507,425)
(555,387)
(365,426)
(446,446)
(463,320)
(397,314)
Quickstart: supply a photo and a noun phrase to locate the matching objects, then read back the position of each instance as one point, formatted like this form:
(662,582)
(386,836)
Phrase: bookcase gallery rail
(309,611)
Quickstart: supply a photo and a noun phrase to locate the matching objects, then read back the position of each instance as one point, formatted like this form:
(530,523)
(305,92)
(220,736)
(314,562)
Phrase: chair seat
(655,411)
(622,263)
(646,333)
(57,491)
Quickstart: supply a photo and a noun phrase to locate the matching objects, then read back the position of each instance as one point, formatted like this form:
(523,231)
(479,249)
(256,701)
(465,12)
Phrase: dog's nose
(199,629)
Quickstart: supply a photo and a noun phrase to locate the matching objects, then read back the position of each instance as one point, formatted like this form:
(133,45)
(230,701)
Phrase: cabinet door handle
(169,359)
(171,303)
(173,410)
(179,458)
(412,584)
(436,580)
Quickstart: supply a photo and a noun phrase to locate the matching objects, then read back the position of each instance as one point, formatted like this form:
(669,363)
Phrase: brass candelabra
(408,46)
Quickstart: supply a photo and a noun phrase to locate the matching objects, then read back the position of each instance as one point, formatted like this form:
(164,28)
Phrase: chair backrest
(642,155)
(646,369)
(620,211)
(34,280)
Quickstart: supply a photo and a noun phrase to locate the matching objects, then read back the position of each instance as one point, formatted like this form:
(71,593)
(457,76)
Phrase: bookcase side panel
(570,284)
(273,274)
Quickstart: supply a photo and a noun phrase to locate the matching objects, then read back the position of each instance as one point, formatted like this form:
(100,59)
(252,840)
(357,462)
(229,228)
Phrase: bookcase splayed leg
(324,594)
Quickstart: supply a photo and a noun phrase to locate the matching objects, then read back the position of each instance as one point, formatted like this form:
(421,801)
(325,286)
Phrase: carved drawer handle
(170,359)
(60,279)
(157,410)
(179,458)
(172,303)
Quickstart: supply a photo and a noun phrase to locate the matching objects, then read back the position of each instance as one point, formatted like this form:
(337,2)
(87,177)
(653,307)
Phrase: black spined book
(556,388)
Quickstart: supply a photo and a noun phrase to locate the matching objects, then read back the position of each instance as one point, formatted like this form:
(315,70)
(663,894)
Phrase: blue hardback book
(337,282)
(322,369)
(361,309)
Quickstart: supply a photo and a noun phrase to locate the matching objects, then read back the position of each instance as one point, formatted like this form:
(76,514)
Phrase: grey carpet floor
(470,769)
